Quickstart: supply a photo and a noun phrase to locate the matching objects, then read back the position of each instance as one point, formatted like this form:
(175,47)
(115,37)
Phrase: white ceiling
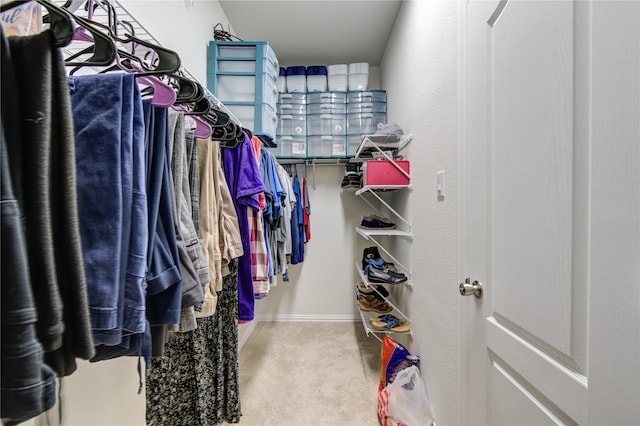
(316,32)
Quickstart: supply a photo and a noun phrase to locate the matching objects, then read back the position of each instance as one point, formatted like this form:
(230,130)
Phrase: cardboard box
(386,173)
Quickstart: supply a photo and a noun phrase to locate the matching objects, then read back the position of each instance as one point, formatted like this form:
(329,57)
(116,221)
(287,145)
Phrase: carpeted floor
(309,374)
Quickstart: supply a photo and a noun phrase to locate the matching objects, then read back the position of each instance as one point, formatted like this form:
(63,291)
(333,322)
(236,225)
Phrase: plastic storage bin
(360,107)
(338,77)
(292,98)
(296,79)
(263,123)
(244,75)
(282,80)
(246,88)
(358,76)
(292,125)
(327,98)
(317,78)
(339,108)
(291,109)
(353,142)
(290,147)
(327,146)
(365,123)
(367,96)
(385,173)
(326,124)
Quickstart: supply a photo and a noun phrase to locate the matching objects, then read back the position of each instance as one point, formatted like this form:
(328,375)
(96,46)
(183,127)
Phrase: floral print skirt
(196,382)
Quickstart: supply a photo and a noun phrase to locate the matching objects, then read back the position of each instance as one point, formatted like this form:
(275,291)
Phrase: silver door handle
(468,288)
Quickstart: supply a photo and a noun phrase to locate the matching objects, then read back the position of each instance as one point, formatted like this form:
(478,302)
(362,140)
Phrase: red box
(387,173)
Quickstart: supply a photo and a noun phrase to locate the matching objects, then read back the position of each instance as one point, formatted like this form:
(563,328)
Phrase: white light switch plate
(440,184)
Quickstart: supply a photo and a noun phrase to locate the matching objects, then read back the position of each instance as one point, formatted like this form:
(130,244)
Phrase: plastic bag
(395,358)
(405,401)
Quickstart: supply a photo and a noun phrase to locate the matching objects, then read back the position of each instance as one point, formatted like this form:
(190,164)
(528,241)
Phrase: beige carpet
(309,373)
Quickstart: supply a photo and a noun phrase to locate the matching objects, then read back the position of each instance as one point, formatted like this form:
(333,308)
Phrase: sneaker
(376,222)
(352,176)
(386,277)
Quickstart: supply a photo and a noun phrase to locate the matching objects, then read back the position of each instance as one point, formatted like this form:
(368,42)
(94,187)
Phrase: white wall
(419,71)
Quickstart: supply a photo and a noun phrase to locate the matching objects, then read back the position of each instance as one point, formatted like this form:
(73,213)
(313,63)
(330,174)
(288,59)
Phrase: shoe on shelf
(376,222)
(376,289)
(371,259)
(375,275)
(371,303)
(352,176)
(392,325)
(386,318)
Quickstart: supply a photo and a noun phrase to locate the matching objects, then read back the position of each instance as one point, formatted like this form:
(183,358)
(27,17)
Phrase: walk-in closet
(441,192)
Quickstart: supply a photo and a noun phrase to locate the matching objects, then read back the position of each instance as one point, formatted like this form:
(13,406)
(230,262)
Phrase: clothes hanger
(61,23)
(103,48)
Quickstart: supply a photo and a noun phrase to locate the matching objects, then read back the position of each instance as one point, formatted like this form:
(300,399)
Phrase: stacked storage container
(366,113)
(291,135)
(326,124)
(244,76)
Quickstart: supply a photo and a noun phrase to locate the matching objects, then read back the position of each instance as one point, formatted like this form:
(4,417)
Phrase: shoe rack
(371,194)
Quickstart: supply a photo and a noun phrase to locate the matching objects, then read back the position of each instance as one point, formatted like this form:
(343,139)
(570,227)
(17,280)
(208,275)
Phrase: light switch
(440,184)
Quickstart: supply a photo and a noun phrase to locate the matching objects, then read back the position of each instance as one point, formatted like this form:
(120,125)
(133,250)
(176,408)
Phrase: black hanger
(103,48)
(166,61)
(186,90)
(61,23)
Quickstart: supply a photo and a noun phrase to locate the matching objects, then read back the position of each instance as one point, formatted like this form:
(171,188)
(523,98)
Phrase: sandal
(386,318)
(393,325)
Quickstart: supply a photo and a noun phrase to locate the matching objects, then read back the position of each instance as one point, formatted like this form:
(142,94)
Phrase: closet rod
(101,15)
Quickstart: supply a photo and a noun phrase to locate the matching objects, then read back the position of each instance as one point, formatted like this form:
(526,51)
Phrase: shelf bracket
(383,202)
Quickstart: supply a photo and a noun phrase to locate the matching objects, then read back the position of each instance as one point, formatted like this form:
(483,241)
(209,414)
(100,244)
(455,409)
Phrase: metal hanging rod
(101,13)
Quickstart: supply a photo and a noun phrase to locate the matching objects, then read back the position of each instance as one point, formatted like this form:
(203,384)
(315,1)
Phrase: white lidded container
(337,77)
(358,76)
(296,79)
(282,80)
(316,78)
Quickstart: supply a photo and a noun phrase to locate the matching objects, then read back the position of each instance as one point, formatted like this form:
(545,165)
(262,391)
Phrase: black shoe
(385,277)
(371,257)
(383,291)
(352,176)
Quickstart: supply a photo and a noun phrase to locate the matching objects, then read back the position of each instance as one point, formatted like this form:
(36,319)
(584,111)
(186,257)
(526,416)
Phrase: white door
(550,212)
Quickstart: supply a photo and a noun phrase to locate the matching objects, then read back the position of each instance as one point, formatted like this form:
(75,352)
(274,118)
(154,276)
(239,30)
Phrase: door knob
(467,288)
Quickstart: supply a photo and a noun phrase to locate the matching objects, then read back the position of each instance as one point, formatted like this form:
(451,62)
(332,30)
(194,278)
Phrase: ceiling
(316,32)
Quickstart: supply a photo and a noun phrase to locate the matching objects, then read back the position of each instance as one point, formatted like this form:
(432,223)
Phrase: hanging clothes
(196,382)
(245,183)
(50,206)
(298,233)
(193,265)
(23,396)
(306,211)
(112,199)
(283,234)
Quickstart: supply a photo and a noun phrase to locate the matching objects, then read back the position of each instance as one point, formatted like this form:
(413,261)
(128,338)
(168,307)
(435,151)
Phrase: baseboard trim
(309,318)
(244,336)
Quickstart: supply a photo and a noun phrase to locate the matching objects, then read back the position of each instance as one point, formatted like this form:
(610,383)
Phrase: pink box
(385,172)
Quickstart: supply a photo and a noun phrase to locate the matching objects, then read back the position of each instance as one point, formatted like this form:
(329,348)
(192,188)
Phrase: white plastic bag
(405,401)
